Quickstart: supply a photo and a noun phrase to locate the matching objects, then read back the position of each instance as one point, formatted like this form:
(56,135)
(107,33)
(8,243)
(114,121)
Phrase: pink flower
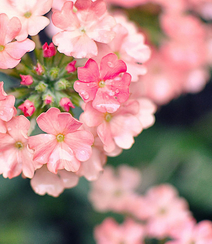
(14,150)
(129,46)
(29,13)
(49,50)
(165,211)
(66,103)
(71,67)
(191,232)
(64,145)
(53,184)
(115,129)
(26,80)
(112,191)
(27,108)
(109,232)
(83,24)
(106,87)
(12,52)
(6,104)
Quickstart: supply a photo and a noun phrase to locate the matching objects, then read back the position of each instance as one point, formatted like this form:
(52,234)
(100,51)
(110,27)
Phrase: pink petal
(7,62)
(90,72)
(111,66)
(36,24)
(7,108)
(80,142)
(105,103)
(87,90)
(69,179)
(17,49)
(66,18)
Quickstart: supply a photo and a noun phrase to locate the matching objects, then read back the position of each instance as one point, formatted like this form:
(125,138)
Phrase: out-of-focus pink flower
(112,191)
(6,104)
(107,87)
(71,67)
(128,45)
(83,24)
(191,232)
(12,52)
(26,80)
(111,232)
(66,103)
(202,7)
(115,129)
(64,145)
(49,50)
(15,154)
(45,182)
(27,108)
(29,13)
(164,210)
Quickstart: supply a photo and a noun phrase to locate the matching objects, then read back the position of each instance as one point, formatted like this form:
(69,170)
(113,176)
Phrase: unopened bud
(27,108)
(54,72)
(62,84)
(26,80)
(41,87)
(71,67)
(66,103)
(49,50)
(39,69)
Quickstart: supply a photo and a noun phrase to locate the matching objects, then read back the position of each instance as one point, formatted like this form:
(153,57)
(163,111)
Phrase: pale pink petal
(7,108)
(36,24)
(80,142)
(69,179)
(17,49)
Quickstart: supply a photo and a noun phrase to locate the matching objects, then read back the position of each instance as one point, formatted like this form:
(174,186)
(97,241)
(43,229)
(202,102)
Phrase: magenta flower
(12,52)
(107,86)
(64,145)
(83,24)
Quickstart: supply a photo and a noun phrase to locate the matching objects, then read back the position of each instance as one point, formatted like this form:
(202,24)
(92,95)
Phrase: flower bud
(41,87)
(66,103)
(26,80)
(62,84)
(54,72)
(39,69)
(71,67)
(48,99)
(49,50)
(27,108)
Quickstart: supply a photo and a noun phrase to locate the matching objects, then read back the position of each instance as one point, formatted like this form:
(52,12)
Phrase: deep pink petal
(111,66)
(103,102)
(87,90)
(90,72)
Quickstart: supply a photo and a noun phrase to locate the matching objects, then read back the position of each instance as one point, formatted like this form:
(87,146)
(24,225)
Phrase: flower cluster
(159,214)
(91,63)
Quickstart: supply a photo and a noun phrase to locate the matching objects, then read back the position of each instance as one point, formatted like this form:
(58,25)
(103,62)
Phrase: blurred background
(177,150)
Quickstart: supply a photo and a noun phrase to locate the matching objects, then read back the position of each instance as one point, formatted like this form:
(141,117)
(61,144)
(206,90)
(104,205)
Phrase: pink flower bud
(48,99)
(66,103)
(39,69)
(71,67)
(27,108)
(26,80)
(49,50)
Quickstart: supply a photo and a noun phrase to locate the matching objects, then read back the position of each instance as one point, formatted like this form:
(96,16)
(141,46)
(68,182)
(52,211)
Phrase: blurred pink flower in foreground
(109,232)
(112,191)
(64,145)
(82,24)
(12,52)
